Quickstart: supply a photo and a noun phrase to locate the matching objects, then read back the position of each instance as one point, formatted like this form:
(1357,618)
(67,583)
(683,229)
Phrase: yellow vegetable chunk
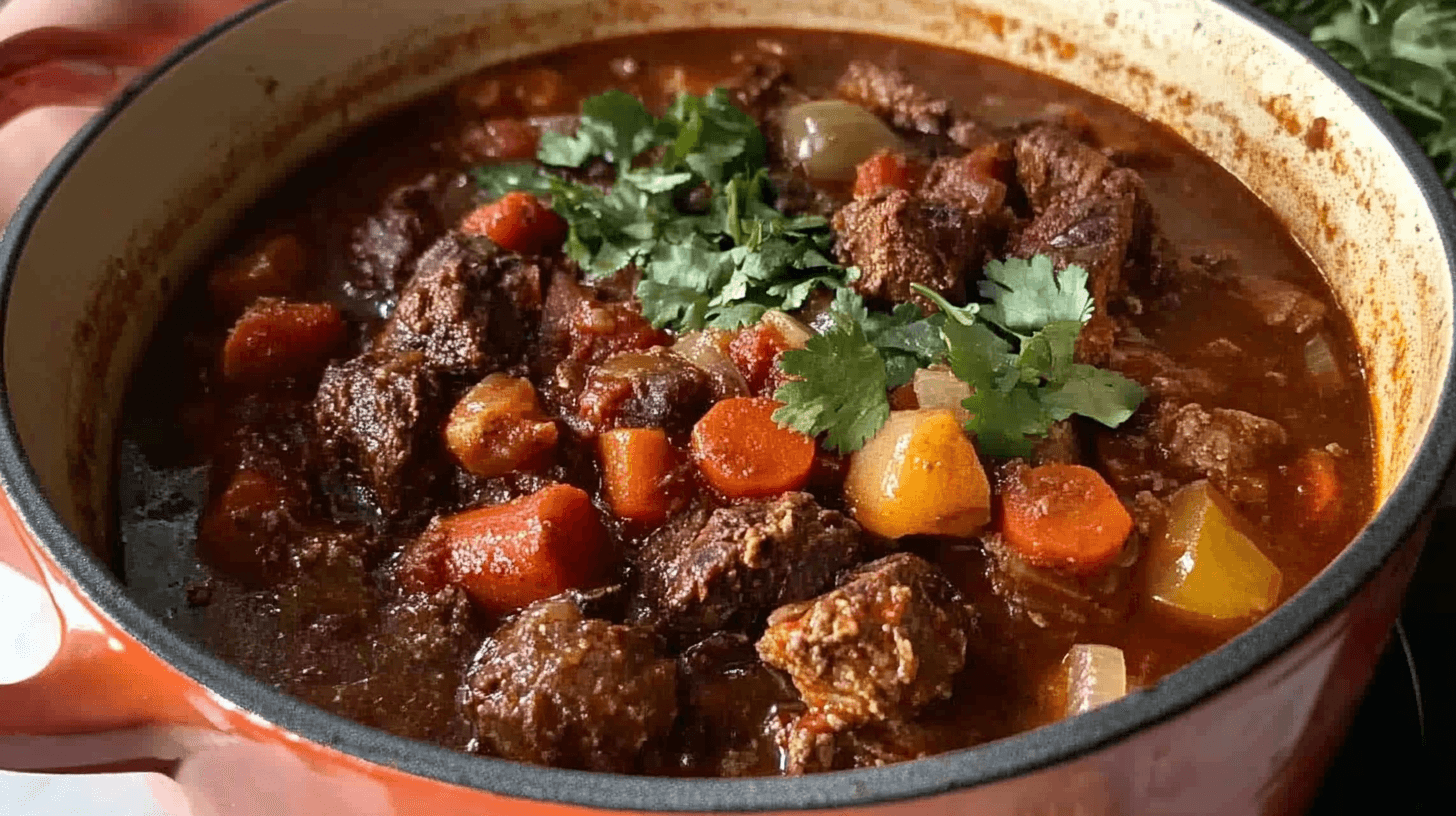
(919,475)
(1200,563)
(498,427)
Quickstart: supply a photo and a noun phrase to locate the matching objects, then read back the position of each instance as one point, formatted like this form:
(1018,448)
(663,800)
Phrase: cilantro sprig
(723,267)
(1016,350)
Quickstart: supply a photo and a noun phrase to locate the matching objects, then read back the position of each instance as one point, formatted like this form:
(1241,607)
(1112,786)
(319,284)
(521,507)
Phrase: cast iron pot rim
(1015,756)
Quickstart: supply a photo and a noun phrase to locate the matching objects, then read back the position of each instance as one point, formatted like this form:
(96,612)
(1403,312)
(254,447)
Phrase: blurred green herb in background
(1403,50)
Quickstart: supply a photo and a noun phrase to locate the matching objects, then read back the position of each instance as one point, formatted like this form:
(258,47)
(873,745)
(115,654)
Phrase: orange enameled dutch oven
(99,245)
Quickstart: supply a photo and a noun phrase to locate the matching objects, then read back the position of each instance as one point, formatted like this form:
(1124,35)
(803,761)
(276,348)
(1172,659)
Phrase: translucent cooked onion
(705,349)
(937,387)
(1096,675)
(1319,360)
(829,137)
(795,333)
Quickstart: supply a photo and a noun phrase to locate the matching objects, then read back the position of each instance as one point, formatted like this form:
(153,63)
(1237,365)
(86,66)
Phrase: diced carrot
(239,534)
(904,398)
(637,468)
(276,340)
(884,169)
(519,222)
(742,452)
(1065,517)
(502,139)
(512,554)
(1316,482)
(498,427)
(273,270)
(755,350)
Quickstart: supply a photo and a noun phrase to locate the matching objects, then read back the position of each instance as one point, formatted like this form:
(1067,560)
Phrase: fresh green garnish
(1015,350)
(1403,50)
(1023,377)
(723,267)
(841,390)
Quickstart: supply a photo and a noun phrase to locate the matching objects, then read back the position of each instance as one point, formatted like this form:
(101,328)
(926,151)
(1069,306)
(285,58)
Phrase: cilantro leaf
(1028,294)
(495,180)
(841,390)
(905,338)
(614,125)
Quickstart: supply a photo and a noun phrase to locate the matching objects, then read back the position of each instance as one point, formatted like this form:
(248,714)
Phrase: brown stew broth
(183,432)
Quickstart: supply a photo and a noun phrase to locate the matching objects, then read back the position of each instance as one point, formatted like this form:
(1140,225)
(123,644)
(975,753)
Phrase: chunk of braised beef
(796,195)
(728,696)
(1052,600)
(889,640)
(1281,304)
(726,570)
(643,389)
(761,84)
(1234,449)
(380,414)
(976,182)
(468,309)
(1162,376)
(556,688)
(383,248)
(410,679)
(1087,212)
(897,239)
(887,93)
(1062,445)
(808,743)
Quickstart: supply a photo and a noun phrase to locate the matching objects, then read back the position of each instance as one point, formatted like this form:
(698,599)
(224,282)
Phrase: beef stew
(428,469)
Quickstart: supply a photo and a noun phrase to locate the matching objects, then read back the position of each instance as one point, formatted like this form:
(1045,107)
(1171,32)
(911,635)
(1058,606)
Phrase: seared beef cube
(897,239)
(1233,449)
(975,182)
(1280,303)
(382,412)
(889,95)
(1161,375)
(761,85)
(728,695)
(1087,212)
(329,584)
(579,329)
(413,657)
(1062,445)
(450,309)
(809,744)
(729,570)
(387,243)
(556,688)
(889,640)
(1050,598)
(651,389)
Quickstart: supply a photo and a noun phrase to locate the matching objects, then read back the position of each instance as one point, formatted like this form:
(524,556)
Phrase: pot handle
(62,65)
(76,695)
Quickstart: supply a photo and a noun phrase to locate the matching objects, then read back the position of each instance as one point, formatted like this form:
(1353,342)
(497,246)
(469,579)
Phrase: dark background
(1403,739)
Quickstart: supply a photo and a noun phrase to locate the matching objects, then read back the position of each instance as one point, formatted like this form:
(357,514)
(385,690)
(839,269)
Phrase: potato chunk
(919,475)
(498,427)
(1202,564)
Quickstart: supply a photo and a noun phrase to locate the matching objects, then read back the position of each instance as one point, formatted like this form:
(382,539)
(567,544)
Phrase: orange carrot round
(519,222)
(1065,517)
(512,554)
(275,339)
(637,465)
(742,452)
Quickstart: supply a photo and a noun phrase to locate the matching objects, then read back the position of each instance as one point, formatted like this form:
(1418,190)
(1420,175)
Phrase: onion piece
(937,387)
(795,333)
(830,137)
(1096,675)
(706,350)
(1319,361)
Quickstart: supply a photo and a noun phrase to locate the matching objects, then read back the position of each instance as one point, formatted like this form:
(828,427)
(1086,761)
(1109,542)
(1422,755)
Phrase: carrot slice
(883,169)
(275,340)
(1316,482)
(512,554)
(275,269)
(742,452)
(637,465)
(755,350)
(241,532)
(519,222)
(1065,517)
